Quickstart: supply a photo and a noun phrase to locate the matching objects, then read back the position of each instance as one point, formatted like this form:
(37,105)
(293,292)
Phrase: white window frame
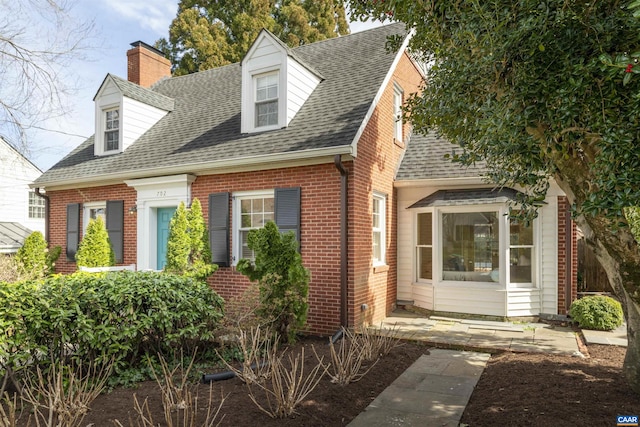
(105,112)
(433,245)
(237,218)
(36,206)
(381,229)
(86,213)
(398,98)
(504,220)
(257,102)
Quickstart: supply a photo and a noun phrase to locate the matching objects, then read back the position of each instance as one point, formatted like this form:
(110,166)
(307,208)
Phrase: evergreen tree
(95,248)
(32,256)
(196,231)
(210,33)
(179,242)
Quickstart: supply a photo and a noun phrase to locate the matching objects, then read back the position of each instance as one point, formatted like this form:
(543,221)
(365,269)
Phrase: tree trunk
(618,253)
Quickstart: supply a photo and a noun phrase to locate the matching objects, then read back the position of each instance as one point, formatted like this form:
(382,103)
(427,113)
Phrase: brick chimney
(146,65)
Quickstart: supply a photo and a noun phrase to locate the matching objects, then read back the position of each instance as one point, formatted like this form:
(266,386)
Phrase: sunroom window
(521,252)
(470,247)
(425,246)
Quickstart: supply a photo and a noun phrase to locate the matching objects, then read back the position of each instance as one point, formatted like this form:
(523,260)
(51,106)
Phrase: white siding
(405,251)
(136,119)
(523,303)
(549,254)
(300,83)
(488,301)
(16,173)
(423,296)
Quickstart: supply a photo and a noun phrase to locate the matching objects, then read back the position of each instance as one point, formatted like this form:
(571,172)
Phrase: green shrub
(188,250)
(95,248)
(597,312)
(34,259)
(282,279)
(93,317)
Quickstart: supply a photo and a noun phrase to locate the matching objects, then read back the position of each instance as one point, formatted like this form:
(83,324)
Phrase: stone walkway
(435,390)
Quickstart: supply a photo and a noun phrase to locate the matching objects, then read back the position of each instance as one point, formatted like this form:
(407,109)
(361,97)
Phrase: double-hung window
(379,216)
(36,206)
(424,255)
(397,113)
(112,130)
(266,98)
(94,210)
(255,210)
(521,253)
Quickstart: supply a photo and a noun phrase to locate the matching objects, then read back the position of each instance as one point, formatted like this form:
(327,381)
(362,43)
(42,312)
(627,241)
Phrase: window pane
(257,220)
(520,265)
(425,264)
(111,140)
(268,205)
(377,247)
(520,234)
(245,252)
(470,246)
(245,220)
(267,113)
(424,229)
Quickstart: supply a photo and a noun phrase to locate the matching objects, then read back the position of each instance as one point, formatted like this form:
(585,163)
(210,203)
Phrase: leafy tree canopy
(210,33)
(539,90)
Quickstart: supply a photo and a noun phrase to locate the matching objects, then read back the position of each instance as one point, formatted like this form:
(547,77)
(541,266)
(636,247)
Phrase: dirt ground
(515,390)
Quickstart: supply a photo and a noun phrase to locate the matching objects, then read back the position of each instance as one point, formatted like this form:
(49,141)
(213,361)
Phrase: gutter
(46,212)
(344,240)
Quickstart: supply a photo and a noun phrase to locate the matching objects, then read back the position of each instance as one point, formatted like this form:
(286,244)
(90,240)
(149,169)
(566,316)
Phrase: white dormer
(123,112)
(275,84)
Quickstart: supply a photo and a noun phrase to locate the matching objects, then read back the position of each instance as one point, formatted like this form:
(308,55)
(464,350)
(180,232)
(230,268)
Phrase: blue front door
(164,217)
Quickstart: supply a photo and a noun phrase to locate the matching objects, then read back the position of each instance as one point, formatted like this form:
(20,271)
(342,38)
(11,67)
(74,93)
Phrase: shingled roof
(203,130)
(424,159)
(139,93)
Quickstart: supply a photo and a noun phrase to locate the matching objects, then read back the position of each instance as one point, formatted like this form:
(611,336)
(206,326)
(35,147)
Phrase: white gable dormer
(123,112)
(275,85)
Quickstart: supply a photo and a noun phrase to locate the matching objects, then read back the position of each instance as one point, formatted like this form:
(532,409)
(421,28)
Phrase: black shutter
(287,210)
(73,230)
(115,228)
(219,228)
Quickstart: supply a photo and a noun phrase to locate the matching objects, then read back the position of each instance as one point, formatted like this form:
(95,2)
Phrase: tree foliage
(207,34)
(281,277)
(95,247)
(541,90)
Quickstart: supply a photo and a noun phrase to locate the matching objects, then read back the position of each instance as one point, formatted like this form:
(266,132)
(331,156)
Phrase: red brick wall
(375,168)
(145,67)
(567,256)
(58,219)
(320,232)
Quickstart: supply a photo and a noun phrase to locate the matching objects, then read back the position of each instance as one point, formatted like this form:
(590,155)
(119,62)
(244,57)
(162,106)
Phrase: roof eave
(440,182)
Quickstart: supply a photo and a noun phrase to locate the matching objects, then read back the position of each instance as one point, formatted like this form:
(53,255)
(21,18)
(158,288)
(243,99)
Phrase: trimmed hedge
(95,317)
(597,312)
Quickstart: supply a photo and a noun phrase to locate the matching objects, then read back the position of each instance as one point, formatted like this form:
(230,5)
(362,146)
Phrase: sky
(117,24)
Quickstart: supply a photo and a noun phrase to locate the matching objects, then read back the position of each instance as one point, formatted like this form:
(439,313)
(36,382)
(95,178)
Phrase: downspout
(344,240)
(46,212)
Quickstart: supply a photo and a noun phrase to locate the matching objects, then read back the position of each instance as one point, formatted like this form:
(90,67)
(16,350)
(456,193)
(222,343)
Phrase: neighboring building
(310,137)
(22,211)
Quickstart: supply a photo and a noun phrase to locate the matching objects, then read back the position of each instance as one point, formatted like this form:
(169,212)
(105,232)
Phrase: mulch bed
(514,390)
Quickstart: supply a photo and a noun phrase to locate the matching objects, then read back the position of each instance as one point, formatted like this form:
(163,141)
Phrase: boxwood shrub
(597,312)
(98,316)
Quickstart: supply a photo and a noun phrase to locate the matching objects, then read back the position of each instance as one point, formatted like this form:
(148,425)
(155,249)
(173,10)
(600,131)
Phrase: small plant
(376,342)
(288,386)
(95,248)
(282,279)
(62,395)
(597,312)
(32,256)
(349,358)
(8,416)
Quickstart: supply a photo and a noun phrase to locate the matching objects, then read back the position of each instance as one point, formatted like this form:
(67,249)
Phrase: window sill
(380,268)
(399,142)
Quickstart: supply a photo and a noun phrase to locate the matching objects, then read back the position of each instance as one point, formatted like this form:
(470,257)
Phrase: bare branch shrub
(62,395)
(9,269)
(179,399)
(348,359)
(288,386)
(257,348)
(240,312)
(8,415)
(376,342)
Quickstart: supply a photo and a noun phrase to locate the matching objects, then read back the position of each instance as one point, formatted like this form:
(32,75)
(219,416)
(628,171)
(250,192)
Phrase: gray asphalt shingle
(424,159)
(204,125)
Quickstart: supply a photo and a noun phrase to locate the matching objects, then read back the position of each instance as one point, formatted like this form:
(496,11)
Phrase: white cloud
(155,16)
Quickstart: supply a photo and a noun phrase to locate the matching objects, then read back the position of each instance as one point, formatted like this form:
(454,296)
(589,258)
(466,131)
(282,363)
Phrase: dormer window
(112,130)
(266,99)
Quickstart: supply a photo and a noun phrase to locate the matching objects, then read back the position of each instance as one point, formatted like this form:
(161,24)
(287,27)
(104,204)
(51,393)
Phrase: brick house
(309,137)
